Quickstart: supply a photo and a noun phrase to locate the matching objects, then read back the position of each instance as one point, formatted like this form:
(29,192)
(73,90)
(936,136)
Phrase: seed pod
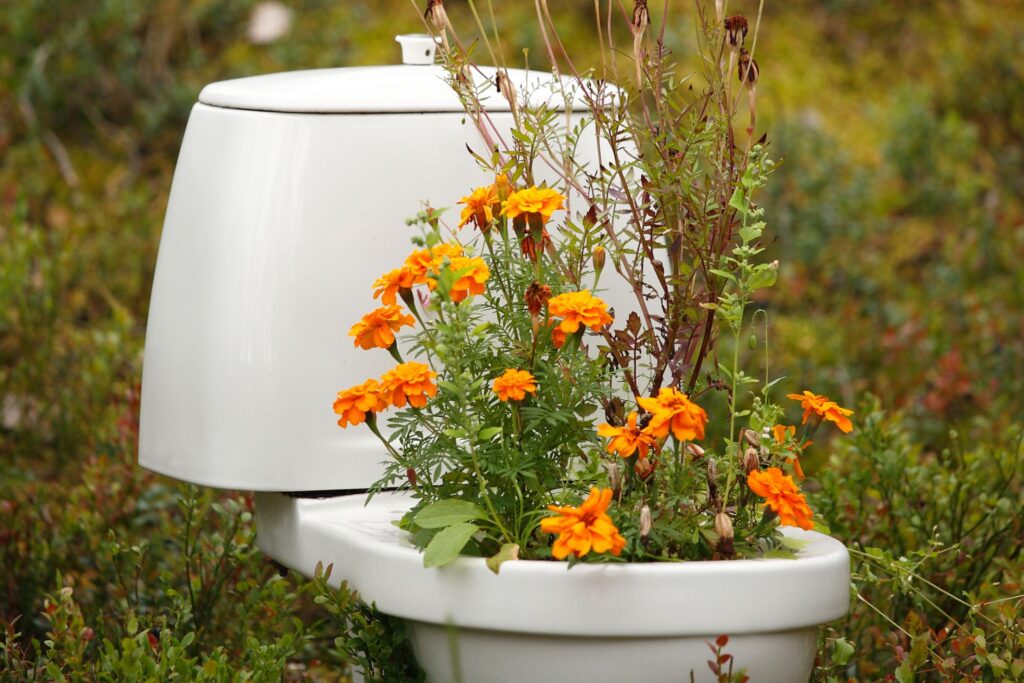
(644,468)
(614,477)
(723,525)
(507,90)
(751,437)
(694,450)
(712,470)
(645,521)
(640,21)
(751,460)
(615,412)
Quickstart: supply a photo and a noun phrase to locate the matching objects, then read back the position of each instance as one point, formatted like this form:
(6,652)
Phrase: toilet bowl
(290,196)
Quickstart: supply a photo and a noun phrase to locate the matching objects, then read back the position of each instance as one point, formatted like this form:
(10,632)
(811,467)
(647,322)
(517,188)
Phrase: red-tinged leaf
(722,640)
(714,667)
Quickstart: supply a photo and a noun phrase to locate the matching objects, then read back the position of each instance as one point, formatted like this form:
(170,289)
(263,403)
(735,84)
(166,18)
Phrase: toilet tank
(289,198)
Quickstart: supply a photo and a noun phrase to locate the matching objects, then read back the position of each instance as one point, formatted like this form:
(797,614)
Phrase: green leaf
(763,276)
(133,626)
(488,433)
(447,544)
(842,651)
(738,200)
(509,551)
(447,512)
(904,674)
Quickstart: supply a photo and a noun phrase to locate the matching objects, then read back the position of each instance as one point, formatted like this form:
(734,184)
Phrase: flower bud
(712,470)
(750,436)
(694,450)
(599,259)
(751,460)
(723,525)
(645,521)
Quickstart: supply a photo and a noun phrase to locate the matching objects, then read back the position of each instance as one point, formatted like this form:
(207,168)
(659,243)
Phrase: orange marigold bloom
(473,273)
(782,496)
(585,528)
(424,261)
(480,207)
(825,409)
(781,434)
(410,381)
(377,328)
(389,284)
(355,403)
(579,308)
(533,201)
(626,440)
(514,385)
(673,411)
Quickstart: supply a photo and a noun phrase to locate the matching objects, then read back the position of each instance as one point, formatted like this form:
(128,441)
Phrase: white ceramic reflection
(540,621)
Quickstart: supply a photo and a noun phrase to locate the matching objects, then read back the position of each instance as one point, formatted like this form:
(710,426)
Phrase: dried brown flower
(736,28)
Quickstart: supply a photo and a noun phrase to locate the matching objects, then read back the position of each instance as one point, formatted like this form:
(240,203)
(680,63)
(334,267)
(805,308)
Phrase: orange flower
(782,433)
(424,261)
(377,328)
(824,409)
(410,381)
(514,385)
(628,439)
(585,528)
(389,284)
(578,308)
(480,207)
(355,403)
(472,273)
(782,496)
(534,201)
(672,410)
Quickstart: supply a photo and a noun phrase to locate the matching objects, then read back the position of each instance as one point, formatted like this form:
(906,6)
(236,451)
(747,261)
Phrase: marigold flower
(534,201)
(781,434)
(515,384)
(410,381)
(480,207)
(629,438)
(585,528)
(782,496)
(424,261)
(673,411)
(825,409)
(353,404)
(389,284)
(377,328)
(578,308)
(473,273)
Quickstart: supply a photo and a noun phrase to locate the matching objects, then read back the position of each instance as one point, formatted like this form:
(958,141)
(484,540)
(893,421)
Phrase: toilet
(290,196)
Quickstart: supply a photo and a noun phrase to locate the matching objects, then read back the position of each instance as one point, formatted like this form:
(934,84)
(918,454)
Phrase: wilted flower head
(736,31)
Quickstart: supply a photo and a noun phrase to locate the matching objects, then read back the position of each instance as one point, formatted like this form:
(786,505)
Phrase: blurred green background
(897,213)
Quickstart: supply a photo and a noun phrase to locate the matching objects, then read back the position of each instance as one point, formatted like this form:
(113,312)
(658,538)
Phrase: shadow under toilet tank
(290,197)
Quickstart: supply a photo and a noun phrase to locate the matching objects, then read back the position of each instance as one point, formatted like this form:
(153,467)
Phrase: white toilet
(289,198)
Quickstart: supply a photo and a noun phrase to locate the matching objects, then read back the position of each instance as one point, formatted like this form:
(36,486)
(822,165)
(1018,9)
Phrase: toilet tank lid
(382,89)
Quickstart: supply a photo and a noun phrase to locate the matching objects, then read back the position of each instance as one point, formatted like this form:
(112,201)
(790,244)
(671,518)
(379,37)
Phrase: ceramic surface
(594,622)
